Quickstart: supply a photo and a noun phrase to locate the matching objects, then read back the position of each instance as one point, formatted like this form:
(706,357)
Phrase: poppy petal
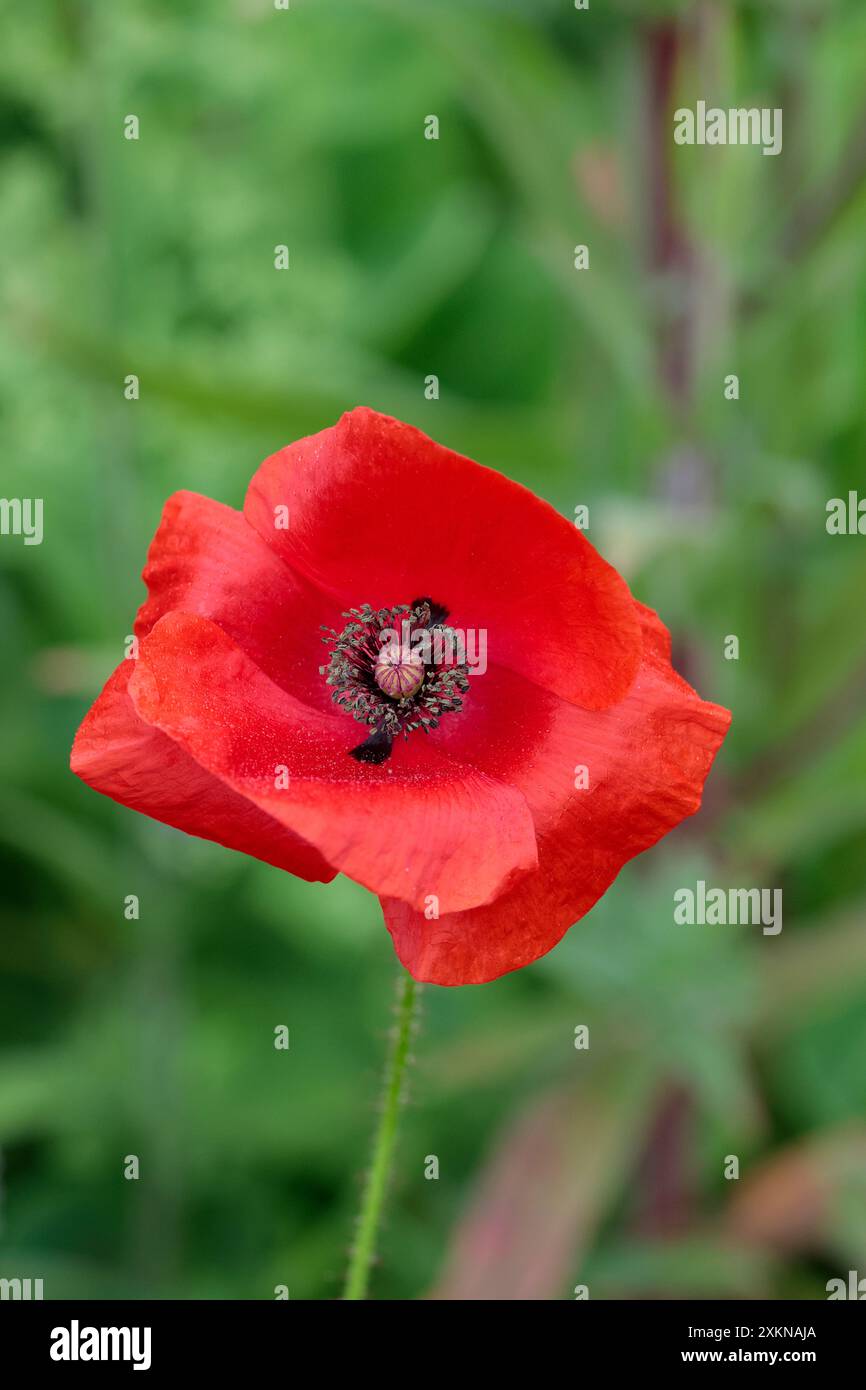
(379,513)
(421,824)
(646,760)
(134,763)
(206,558)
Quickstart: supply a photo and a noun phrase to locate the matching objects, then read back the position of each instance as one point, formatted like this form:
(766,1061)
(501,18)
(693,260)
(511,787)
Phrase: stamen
(375,749)
(394,669)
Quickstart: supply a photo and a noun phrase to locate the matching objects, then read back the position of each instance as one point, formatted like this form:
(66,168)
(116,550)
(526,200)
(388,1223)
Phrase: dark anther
(438,611)
(375,749)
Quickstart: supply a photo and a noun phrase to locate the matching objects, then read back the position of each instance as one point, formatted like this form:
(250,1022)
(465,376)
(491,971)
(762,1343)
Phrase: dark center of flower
(395,670)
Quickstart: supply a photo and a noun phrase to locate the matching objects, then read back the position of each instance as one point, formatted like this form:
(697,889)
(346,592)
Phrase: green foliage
(155,1037)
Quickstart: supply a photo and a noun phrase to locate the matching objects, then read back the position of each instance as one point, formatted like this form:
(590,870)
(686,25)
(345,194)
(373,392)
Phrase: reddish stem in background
(668,247)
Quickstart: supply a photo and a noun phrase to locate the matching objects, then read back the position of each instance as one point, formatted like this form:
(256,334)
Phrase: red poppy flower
(310,689)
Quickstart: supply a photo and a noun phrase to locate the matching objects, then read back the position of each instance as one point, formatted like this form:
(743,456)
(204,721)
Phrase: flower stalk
(378,1174)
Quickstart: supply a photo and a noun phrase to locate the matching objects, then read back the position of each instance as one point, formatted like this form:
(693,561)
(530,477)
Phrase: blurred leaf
(809,1197)
(542,1194)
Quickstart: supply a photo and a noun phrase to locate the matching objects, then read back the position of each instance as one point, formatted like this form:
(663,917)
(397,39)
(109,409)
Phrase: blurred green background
(453,257)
